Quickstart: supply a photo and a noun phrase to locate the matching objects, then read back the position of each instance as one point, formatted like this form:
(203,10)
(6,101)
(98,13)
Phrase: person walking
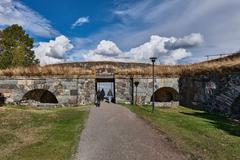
(102,94)
(98,98)
(110,95)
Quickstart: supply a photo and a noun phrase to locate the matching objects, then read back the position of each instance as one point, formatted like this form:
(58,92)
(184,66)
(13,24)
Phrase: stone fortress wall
(66,90)
(211,91)
(80,90)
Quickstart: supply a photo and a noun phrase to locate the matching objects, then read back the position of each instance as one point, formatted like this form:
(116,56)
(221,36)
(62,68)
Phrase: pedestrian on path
(98,98)
(110,95)
(102,94)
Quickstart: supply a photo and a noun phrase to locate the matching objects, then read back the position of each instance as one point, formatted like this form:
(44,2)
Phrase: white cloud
(80,21)
(57,51)
(194,39)
(157,46)
(174,56)
(15,12)
(107,48)
(53,51)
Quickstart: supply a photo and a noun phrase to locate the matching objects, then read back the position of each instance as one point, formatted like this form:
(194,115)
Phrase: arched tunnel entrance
(166,94)
(2,99)
(236,106)
(40,95)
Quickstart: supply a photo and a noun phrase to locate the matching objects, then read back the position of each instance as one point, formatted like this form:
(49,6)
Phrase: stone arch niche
(236,106)
(2,99)
(40,95)
(166,94)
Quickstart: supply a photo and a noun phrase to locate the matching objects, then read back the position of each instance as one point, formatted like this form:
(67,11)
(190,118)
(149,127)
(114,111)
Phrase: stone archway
(166,94)
(40,95)
(2,99)
(236,106)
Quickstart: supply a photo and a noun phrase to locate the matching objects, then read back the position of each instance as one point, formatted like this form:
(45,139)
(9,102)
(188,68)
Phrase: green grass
(202,135)
(40,134)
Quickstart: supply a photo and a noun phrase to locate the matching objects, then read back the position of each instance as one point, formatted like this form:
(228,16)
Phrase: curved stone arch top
(40,95)
(167,82)
(166,94)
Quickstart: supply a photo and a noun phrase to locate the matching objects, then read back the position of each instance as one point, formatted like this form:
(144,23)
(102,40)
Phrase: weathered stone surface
(66,90)
(82,90)
(8,86)
(144,89)
(214,92)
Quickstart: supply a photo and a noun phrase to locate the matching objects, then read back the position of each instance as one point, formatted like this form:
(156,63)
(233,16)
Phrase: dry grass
(218,65)
(126,69)
(29,134)
(45,71)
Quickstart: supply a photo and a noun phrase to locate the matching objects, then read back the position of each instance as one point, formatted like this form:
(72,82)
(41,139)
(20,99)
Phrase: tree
(16,48)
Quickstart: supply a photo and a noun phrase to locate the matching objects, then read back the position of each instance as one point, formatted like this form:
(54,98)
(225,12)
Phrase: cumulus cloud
(57,51)
(157,46)
(80,22)
(53,51)
(174,56)
(107,48)
(15,12)
(191,40)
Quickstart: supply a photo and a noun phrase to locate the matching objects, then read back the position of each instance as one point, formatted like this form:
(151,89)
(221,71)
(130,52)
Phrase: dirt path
(115,133)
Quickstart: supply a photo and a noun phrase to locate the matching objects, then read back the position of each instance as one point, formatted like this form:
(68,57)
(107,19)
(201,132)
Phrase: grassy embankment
(203,135)
(40,134)
(131,69)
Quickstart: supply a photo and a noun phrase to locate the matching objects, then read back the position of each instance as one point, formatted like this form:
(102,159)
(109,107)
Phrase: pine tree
(16,48)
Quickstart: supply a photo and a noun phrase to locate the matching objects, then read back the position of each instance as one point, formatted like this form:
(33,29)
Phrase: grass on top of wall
(203,135)
(73,69)
(220,65)
(45,71)
(40,134)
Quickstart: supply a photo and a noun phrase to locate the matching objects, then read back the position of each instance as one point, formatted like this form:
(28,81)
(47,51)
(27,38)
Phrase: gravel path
(114,133)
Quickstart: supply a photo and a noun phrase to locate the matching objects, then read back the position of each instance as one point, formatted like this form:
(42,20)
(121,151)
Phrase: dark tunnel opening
(2,99)
(40,95)
(166,94)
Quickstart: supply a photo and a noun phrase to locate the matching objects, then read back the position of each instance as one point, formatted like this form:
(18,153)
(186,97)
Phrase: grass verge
(46,134)
(203,135)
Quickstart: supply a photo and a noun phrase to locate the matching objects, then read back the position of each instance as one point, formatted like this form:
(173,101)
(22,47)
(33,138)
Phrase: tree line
(16,48)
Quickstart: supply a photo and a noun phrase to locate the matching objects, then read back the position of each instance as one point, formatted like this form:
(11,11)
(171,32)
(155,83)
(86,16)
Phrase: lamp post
(153,59)
(136,83)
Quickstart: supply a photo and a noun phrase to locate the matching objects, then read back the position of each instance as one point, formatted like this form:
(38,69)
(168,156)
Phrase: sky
(174,31)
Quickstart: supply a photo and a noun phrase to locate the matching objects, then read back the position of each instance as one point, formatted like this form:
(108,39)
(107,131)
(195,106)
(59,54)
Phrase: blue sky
(63,14)
(176,31)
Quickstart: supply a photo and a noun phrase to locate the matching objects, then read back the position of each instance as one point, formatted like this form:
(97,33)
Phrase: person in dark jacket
(102,94)
(98,98)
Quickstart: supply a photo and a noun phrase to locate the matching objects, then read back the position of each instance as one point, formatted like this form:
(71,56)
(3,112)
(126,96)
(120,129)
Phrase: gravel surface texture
(113,132)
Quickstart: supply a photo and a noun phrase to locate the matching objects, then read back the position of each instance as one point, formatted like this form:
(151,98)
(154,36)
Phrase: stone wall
(125,88)
(82,90)
(213,92)
(66,90)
